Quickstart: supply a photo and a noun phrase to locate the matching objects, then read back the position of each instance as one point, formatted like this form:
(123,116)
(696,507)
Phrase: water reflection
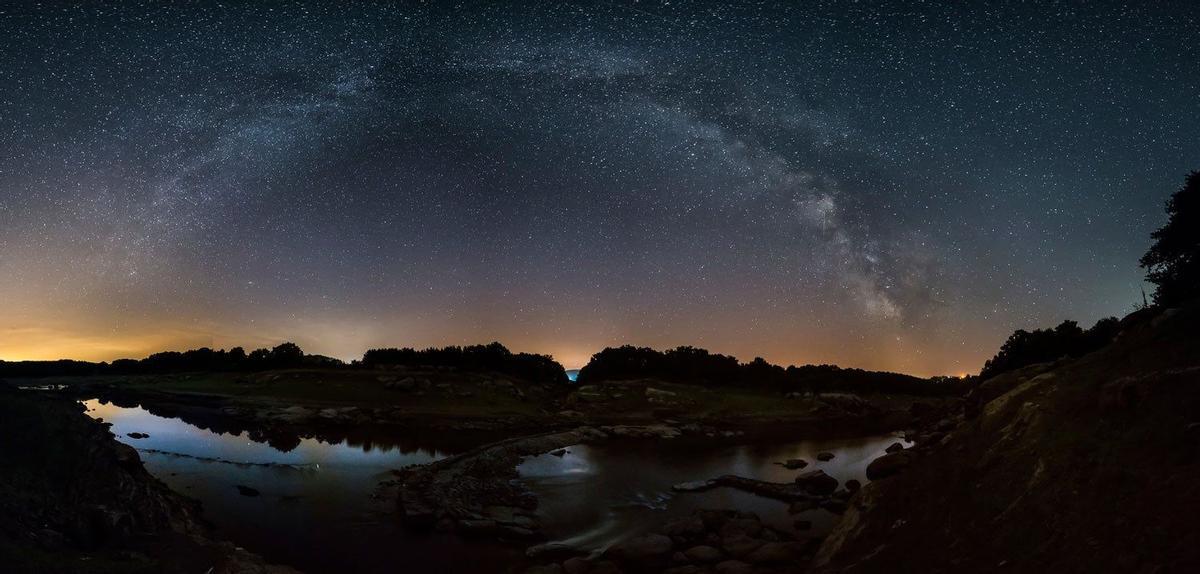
(594,495)
(314,508)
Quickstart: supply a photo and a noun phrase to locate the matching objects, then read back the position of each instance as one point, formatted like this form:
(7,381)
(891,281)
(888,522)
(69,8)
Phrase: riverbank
(473,496)
(1082,465)
(74,499)
(280,406)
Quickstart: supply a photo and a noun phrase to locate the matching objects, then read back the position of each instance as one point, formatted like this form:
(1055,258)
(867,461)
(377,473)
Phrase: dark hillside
(1083,465)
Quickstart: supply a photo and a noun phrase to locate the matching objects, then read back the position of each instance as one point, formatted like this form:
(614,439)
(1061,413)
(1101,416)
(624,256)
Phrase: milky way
(893,187)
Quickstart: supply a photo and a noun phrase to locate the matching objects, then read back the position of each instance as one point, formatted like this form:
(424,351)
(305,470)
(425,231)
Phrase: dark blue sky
(888,185)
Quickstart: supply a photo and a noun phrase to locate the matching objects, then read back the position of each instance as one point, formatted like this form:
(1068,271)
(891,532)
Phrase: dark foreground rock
(708,541)
(476,492)
(73,499)
(1083,465)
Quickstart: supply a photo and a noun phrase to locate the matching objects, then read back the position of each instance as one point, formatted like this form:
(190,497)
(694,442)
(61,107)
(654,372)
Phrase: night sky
(889,186)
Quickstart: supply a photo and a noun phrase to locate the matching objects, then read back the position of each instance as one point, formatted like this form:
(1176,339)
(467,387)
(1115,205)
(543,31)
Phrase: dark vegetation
(690,365)
(1025,348)
(477,358)
(284,356)
(493,357)
(1173,262)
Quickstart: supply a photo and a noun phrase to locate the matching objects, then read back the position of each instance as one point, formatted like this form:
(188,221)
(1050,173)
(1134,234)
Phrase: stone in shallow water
(246,490)
(694,486)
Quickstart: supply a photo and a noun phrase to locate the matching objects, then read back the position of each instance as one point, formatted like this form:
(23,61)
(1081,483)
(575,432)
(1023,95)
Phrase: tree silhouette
(1173,262)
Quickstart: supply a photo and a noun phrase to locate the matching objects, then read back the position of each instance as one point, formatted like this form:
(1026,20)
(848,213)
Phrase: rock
(740,545)
(853,485)
(825,456)
(690,526)
(604,567)
(817,482)
(694,486)
(772,553)
(576,565)
(476,527)
(895,447)
(551,550)
(559,453)
(702,554)
(517,532)
(793,463)
(246,490)
(545,569)
(137,435)
(653,393)
(734,567)
(647,547)
(888,465)
(748,526)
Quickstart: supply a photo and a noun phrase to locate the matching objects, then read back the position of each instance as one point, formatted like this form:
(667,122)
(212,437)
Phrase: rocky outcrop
(475,492)
(70,494)
(708,541)
(1082,465)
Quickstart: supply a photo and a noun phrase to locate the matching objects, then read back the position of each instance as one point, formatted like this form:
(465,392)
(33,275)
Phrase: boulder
(817,482)
(694,486)
(689,526)
(647,547)
(246,490)
(137,435)
(888,465)
(739,545)
(476,527)
(545,569)
(853,485)
(894,447)
(734,567)
(576,565)
(702,554)
(552,550)
(825,456)
(773,553)
(793,463)
(734,526)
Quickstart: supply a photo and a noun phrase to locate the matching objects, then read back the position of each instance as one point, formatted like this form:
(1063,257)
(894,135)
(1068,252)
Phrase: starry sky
(889,185)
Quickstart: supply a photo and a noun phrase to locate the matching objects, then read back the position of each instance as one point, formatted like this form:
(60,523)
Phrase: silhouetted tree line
(1025,348)
(284,356)
(492,357)
(698,366)
(1172,264)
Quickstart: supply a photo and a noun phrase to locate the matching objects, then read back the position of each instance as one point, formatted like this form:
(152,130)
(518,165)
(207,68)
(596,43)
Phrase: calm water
(595,495)
(315,508)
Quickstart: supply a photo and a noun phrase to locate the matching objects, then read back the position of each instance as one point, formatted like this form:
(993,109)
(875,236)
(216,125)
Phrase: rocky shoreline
(85,502)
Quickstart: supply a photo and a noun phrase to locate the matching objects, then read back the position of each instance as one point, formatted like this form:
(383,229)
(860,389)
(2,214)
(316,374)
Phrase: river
(314,506)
